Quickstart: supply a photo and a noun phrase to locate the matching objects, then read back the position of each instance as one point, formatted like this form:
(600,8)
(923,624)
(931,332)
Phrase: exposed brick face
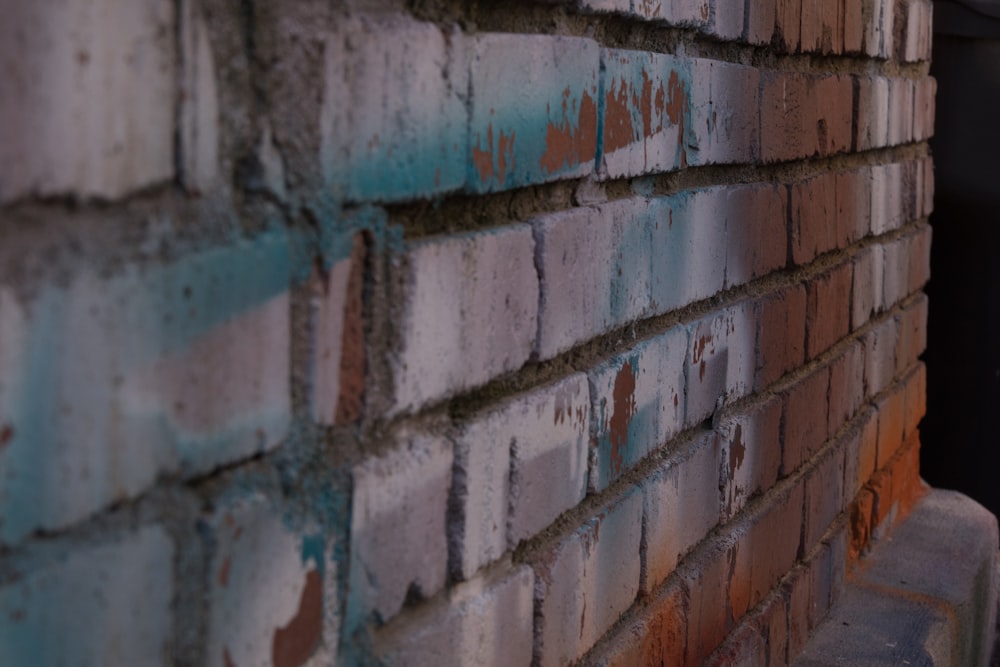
(577,331)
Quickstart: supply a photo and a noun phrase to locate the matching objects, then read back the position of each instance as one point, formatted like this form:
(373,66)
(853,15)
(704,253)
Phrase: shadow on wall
(963,353)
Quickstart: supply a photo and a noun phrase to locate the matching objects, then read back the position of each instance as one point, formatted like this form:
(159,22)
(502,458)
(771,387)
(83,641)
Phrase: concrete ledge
(925,595)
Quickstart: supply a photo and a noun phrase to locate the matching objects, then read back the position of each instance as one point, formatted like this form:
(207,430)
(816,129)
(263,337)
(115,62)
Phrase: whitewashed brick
(638,403)
(873,112)
(269,590)
(727,19)
(87,97)
(394,122)
(482,623)
(398,540)
(887,198)
(895,276)
(681,505)
(688,249)
(533,115)
(99,604)
(867,286)
(900,111)
(720,360)
(751,454)
(602,6)
(176,367)
(595,271)
(587,581)
(470,313)
(724,113)
(199,103)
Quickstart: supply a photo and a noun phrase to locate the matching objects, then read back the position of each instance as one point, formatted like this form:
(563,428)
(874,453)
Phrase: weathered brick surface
(657,637)
(751,458)
(398,540)
(756,231)
(724,112)
(828,309)
(781,334)
(805,419)
(470,313)
(638,402)
(125,583)
(720,360)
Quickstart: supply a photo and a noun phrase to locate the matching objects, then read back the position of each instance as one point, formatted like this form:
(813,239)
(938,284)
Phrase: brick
(519,466)
(862,453)
(761,21)
(900,111)
(824,494)
(828,309)
(482,623)
(682,506)
(751,454)
(605,6)
(168,368)
(337,364)
(895,277)
(586,581)
(638,403)
(727,20)
(805,420)
(410,79)
(798,597)
(926,205)
(924,95)
(724,113)
(471,309)
(107,603)
(533,110)
(804,116)
(709,618)
(767,545)
(647,112)
(919,249)
(896,487)
(756,231)
(720,360)
(100,71)
(743,646)
(873,112)
(656,637)
(847,388)
(880,356)
(595,271)
(890,424)
(688,248)
(866,287)
(771,619)
(911,47)
(198,104)
(813,219)
(887,198)
(853,26)
(781,336)
(822,25)
(853,218)
(860,522)
(833,97)
(912,340)
(788,14)
(693,13)
(915,400)
(398,541)
(878,32)
(256,557)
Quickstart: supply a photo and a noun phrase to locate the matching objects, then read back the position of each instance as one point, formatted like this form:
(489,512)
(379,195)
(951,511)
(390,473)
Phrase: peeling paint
(295,642)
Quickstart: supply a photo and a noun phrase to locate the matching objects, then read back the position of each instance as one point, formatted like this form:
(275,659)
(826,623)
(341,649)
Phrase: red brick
(803,115)
(798,596)
(853,26)
(890,424)
(788,24)
(657,637)
(826,571)
(706,577)
(915,402)
(813,205)
(853,218)
(866,287)
(828,309)
(771,619)
(823,25)
(873,112)
(897,487)
(756,231)
(751,454)
(860,515)
(925,92)
(912,339)
(767,545)
(805,419)
(920,258)
(833,98)
(743,646)
(761,21)
(781,337)
(900,111)
(880,356)
(824,494)
(847,387)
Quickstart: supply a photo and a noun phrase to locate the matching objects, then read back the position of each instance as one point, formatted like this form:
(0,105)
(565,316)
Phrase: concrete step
(925,595)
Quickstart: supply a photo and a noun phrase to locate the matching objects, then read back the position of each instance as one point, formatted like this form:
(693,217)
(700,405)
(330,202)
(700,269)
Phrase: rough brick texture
(577,331)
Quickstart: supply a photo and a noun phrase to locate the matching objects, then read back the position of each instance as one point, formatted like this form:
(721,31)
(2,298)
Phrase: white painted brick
(638,403)
(100,604)
(602,6)
(867,288)
(398,537)
(482,623)
(549,446)
(724,113)
(199,103)
(727,19)
(887,198)
(720,359)
(176,367)
(880,356)
(587,581)
(873,112)
(912,31)
(87,97)
(645,112)
(682,506)
(533,115)
(470,313)
(900,111)
(895,276)
(688,249)
(751,454)
(595,271)
(394,122)
(269,589)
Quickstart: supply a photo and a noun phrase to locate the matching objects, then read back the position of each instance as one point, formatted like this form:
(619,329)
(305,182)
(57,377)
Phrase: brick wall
(447,332)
